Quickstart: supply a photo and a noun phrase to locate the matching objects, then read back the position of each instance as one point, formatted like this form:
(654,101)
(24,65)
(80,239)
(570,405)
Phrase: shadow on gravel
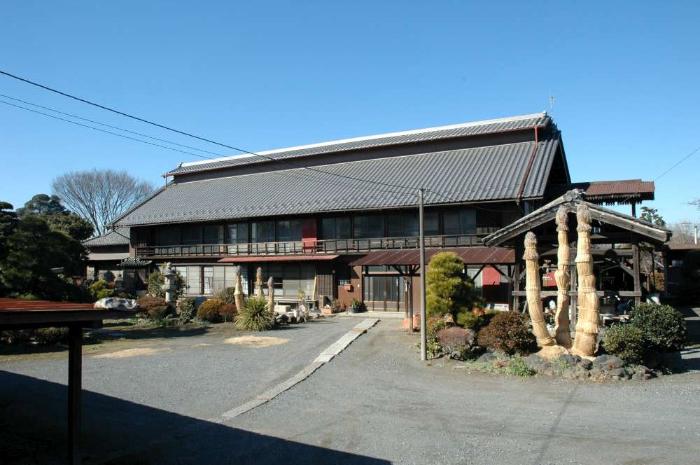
(118,432)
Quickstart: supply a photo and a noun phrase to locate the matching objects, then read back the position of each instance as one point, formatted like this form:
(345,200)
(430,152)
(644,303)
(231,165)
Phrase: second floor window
(369,226)
(263,231)
(459,222)
(238,233)
(288,230)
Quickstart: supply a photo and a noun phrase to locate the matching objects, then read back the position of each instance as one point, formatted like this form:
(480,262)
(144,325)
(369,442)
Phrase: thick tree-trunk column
(238,292)
(270,294)
(259,284)
(587,324)
(532,292)
(562,276)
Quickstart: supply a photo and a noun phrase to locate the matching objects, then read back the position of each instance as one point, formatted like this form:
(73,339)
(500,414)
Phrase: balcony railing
(306,247)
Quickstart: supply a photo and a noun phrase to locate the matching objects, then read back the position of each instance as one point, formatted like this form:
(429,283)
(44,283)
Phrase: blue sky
(263,75)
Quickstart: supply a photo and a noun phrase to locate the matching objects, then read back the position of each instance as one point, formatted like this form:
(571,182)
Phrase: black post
(75,343)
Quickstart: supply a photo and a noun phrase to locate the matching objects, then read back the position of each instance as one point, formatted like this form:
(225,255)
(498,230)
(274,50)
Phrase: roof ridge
(330,143)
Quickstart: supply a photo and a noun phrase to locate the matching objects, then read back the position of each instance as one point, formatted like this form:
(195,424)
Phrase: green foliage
(186,309)
(50,336)
(626,341)
(42,204)
(227,295)
(662,325)
(156,281)
(59,219)
(255,316)
(475,320)
(358,306)
(35,259)
(518,367)
(209,310)
(507,332)
(449,289)
(8,223)
(100,289)
(652,216)
(155,308)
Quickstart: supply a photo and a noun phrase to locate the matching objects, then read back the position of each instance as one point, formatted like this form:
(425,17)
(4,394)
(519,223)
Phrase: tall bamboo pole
(562,331)
(532,291)
(587,324)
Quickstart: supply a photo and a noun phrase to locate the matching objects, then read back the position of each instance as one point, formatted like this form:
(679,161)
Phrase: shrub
(156,281)
(358,306)
(626,341)
(456,342)
(49,336)
(100,289)
(662,325)
(255,316)
(518,367)
(449,289)
(475,319)
(209,310)
(228,312)
(507,332)
(186,307)
(155,308)
(227,295)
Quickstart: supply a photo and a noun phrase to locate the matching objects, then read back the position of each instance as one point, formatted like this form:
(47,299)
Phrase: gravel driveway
(374,404)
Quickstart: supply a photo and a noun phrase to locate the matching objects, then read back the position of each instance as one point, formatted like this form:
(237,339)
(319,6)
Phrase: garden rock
(608,362)
(535,362)
(585,363)
(116,303)
(487,357)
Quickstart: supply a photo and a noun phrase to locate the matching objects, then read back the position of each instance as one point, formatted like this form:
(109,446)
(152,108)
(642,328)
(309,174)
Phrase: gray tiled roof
(464,175)
(120,236)
(513,123)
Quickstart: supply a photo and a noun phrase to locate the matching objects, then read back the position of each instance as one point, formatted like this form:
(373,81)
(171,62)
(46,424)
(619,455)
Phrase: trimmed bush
(155,308)
(209,310)
(626,341)
(456,342)
(475,319)
(227,295)
(186,309)
(662,325)
(50,336)
(507,332)
(228,312)
(255,316)
(100,289)
(449,289)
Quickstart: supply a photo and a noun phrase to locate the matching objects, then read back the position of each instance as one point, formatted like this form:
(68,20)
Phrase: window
(369,226)
(169,235)
(431,223)
(191,277)
(459,222)
(213,234)
(238,233)
(192,234)
(402,225)
(263,231)
(288,230)
(336,228)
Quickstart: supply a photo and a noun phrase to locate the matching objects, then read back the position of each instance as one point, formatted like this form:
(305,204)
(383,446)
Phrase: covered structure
(616,239)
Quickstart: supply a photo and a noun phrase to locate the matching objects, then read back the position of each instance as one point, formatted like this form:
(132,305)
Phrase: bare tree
(100,196)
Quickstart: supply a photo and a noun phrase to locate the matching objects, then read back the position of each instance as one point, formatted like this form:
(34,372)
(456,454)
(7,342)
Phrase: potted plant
(357,306)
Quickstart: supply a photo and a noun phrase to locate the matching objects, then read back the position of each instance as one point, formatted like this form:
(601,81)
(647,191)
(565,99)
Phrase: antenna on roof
(552,99)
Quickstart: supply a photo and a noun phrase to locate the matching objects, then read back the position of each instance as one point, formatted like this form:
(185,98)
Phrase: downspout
(530,162)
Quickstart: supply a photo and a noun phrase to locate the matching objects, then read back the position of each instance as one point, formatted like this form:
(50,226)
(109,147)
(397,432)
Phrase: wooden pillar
(516,284)
(664,255)
(75,343)
(634,209)
(573,286)
(635,272)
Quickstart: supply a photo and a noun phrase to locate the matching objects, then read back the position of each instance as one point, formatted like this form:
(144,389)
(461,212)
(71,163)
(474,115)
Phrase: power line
(109,125)
(101,130)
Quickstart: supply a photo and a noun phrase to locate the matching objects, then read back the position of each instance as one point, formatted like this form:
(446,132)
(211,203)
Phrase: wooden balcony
(306,247)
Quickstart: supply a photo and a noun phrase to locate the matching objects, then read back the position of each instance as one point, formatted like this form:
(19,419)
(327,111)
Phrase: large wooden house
(339,220)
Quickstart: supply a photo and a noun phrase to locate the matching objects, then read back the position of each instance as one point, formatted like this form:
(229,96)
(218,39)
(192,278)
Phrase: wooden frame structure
(18,314)
(610,230)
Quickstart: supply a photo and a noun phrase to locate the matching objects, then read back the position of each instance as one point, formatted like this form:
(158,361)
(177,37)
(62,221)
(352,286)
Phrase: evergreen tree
(449,289)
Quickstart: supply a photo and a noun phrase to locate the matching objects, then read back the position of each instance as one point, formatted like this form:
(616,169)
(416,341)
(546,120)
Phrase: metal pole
(421,243)
(695,234)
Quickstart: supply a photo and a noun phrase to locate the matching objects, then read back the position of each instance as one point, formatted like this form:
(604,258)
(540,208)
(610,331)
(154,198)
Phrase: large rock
(608,362)
(116,303)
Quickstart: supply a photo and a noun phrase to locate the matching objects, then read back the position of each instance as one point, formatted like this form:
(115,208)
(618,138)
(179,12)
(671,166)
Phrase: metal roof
(621,191)
(474,128)
(454,176)
(469,255)
(120,236)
